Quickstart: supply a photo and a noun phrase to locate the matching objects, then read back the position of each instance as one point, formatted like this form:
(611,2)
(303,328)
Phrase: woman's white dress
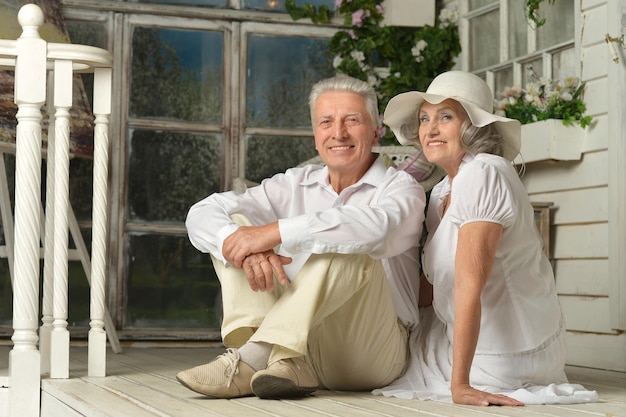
(521,347)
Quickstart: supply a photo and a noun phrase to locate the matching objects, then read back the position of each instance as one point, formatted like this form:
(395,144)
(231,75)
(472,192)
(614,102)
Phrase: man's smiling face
(344,132)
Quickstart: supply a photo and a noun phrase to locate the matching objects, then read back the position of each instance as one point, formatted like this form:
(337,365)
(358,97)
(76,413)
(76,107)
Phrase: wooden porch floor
(141,382)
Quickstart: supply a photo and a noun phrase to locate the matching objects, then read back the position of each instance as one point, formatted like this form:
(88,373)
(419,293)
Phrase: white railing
(42,67)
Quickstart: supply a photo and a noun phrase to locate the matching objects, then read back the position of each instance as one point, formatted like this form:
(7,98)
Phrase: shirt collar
(373,176)
(445,185)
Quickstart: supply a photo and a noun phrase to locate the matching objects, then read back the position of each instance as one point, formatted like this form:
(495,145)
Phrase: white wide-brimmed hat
(471,91)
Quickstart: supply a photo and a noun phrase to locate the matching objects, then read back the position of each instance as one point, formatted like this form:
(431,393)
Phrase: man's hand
(248,240)
(465,394)
(260,269)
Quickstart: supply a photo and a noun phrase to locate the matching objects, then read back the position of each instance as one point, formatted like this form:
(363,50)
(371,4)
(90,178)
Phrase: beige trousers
(338,312)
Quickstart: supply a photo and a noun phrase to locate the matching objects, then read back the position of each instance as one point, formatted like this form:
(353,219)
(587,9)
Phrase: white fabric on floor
(427,376)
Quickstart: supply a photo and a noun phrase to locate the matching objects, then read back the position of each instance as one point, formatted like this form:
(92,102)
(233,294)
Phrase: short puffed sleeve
(480,192)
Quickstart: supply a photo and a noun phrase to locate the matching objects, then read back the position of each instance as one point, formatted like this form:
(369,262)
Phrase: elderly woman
(497,324)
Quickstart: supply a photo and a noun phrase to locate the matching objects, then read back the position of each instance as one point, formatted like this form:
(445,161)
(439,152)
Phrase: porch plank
(141,382)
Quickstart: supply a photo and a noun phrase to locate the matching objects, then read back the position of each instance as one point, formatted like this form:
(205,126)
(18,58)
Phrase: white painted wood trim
(30,95)
(409,13)
(550,140)
(616,11)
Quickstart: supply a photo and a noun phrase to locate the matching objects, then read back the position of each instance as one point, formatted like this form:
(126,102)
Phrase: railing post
(102,110)
(30,93)
(60,336)
(48,266)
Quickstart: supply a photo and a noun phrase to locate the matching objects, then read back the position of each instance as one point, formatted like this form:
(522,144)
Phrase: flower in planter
(544,99)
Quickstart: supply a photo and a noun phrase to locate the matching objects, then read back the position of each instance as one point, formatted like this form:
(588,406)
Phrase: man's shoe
(225,377)
(286,378)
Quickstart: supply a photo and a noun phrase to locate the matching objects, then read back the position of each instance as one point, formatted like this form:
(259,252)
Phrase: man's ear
(375,138)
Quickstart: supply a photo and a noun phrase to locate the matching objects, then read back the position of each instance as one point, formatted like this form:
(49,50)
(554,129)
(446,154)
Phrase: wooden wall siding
(587,277)
(596,136)
(577,206)
(586,241)
(590,171)
(597,350)
(586,314)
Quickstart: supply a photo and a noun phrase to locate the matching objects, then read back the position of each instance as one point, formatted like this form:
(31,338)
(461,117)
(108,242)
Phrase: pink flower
(352,34)
(338,3)
(380,9)
(357,18)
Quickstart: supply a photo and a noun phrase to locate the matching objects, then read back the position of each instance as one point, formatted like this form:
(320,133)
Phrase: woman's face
(439,133)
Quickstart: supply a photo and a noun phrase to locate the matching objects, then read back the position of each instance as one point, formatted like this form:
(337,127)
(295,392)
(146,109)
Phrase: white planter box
(410,13)
(550,140)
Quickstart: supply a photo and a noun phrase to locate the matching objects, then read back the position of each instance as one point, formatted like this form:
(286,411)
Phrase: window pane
(78,295)
(170,284)
(503,79)
(564,64)
(485,40)
(6,293)
(518,29)
(475,4)
(278,88)
(266,156)
(81,187)
(169,171)
(279,5)
(531,71)
(177,74)
(559,26)
(87,33)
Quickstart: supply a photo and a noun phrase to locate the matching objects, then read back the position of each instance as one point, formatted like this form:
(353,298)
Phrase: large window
(197,101)
(503,47)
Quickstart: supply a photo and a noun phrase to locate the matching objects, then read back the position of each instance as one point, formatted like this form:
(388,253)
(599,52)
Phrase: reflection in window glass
(278,88)
(559,26)
(177,74)
(531,71)
(279,5)
(81,187)
(6,293)
(266,156)
(485,40)
(87,33)
(518,29)
(503,79)
(170,284)
(78,292)
(564,64)
(170,171)
(475,4)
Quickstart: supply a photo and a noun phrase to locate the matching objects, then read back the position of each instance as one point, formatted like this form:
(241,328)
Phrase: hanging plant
(532,11)
(391,59)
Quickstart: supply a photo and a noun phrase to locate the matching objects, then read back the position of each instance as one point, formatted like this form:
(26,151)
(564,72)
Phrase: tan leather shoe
(286,378)
(225,377)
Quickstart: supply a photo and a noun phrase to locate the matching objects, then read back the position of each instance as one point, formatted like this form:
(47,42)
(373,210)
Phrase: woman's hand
(465,394)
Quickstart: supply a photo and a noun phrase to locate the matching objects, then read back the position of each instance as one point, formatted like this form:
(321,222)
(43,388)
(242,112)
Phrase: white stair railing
(32,59)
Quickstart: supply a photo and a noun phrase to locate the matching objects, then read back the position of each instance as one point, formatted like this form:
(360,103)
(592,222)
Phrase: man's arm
(251,248)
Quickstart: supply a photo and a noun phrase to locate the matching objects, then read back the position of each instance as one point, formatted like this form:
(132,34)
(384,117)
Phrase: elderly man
(318,266)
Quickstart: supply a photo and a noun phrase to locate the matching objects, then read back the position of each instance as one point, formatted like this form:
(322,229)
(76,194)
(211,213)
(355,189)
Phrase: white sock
(256,354)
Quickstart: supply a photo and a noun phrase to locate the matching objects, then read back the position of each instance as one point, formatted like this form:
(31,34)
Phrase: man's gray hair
(342,82)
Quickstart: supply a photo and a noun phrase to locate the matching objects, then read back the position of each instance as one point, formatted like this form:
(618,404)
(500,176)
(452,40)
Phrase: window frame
(119,18)
(506,61)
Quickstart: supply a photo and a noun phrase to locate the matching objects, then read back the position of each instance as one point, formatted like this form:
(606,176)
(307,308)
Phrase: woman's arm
(476,249)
